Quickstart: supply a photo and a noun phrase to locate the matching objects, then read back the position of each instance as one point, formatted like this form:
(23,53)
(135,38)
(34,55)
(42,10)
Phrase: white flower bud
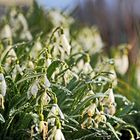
(6,32)
(59,135)
(122,64)
(36,49)
(19,69)
(48,62)
(91,110)
(31,64)
(111,98)
(65,44)
(1,101)
(45,99)
(3,85)
(23,21)
(43,127)
(33,90)
(47,83)
(55,110)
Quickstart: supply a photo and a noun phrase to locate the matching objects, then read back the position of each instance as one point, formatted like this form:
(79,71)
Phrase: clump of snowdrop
(90,40)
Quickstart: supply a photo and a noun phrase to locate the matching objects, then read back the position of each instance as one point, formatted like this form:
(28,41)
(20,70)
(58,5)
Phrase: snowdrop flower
(59,135)
(109,102)
(64,42)
(12,53)
(87,123)
(48,62)
(6,32)
(47,83)
(31,64)
(45,99)
(1,101)
(23,21)
(3,85)
(33,90)
(19,69)
(26,35)
(43,127)
(56,134)
(111,98)
(90,110)
(55,110)
(122,63)
(36,48)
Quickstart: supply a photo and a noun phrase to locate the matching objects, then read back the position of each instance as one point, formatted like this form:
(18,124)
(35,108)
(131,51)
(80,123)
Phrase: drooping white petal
(122,63)
(6,32)
(59,135)
(65,44)
(46,82)
(3,85)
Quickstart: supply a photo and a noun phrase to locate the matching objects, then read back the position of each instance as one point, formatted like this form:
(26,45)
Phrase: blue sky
(56,3)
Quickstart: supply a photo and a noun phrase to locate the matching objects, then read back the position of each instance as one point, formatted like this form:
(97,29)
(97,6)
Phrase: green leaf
(80,106)
(113,130)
